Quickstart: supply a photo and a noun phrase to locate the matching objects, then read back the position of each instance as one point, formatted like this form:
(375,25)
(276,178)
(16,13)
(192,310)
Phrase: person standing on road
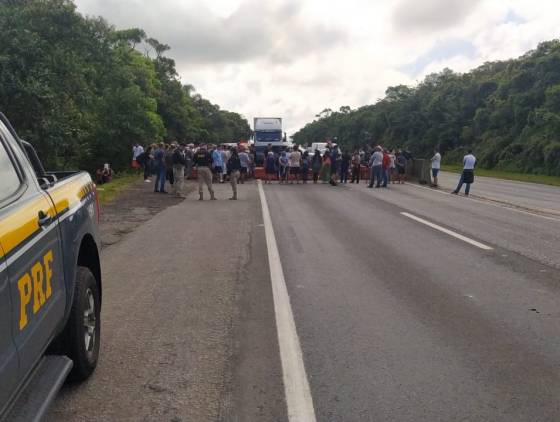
(234,169)
(393,167)
(335,164)
(436,164)
(305,166)
(203,162)
(401,166)
(326,167)
(344,166)
(467,176)
(316,164)
(284,165)
(137,150)
(270,164)
(356,163)
(179,162)
(376,167)
(245,162)
(161,171)
(386,168)
(189,160)
(218,164)
(295,164)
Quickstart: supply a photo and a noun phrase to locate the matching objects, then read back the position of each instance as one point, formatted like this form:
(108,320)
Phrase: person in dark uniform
(203,161)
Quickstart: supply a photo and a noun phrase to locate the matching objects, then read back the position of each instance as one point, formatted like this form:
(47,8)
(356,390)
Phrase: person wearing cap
(203,162)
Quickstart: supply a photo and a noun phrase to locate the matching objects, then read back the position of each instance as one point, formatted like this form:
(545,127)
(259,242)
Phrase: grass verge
(108,191)
(506,175)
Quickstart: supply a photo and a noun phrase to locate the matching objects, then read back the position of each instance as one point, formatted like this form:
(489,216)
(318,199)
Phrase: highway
(408,304)
(531,196)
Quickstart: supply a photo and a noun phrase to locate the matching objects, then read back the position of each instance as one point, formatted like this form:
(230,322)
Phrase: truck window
(9,178)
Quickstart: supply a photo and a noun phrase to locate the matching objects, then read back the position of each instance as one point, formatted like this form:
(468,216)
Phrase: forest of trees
(82,92)
(508,112)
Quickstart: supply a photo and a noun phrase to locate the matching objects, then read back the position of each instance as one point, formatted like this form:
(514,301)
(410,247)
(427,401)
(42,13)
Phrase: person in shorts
(295,164)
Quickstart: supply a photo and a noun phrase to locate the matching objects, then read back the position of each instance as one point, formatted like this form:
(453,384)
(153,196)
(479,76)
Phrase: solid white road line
(296,385)
(447,231)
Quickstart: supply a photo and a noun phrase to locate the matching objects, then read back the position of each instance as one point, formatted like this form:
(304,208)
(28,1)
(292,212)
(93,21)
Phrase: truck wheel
(81,335)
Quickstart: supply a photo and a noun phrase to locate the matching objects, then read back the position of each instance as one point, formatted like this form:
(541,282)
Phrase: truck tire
(81,336)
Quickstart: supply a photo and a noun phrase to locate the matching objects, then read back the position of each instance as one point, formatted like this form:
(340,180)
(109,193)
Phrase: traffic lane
(398,322)
(530,235)
(529,195)
(187,305)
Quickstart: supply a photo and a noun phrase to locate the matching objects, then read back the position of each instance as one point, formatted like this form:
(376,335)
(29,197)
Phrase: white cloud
(294,58)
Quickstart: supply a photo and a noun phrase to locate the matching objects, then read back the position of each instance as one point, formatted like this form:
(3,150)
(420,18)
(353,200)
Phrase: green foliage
(77,89)
(507,112)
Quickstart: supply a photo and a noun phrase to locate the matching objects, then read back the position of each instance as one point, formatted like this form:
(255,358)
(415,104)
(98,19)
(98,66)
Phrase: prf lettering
(35,288)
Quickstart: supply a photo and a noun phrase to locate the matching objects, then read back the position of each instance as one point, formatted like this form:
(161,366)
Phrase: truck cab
(50,279)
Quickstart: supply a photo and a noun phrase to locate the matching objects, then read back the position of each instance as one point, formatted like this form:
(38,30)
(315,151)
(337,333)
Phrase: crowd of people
(173,163)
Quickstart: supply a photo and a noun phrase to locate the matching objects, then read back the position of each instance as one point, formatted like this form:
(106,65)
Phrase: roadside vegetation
(508,112)
(507,175)
(109,191)
(83,92)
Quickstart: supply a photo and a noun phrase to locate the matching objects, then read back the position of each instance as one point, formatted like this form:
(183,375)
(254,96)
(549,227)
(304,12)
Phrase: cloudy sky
(293,58)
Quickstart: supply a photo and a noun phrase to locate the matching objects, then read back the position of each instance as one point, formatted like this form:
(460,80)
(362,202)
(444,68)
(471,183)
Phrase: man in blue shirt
(218,164)
(161,170)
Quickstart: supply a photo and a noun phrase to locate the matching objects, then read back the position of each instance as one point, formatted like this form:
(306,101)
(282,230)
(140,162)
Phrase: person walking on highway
(436,164)
(376,168)
(401,166)
(295,163)
(203,162)
(234,169)
(356,167)
(245,162)
(316,165)
(179,162)
(161,171)
(467,176)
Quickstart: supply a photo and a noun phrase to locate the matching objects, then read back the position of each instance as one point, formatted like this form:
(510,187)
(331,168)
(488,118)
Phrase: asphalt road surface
(532,196)
(410,304)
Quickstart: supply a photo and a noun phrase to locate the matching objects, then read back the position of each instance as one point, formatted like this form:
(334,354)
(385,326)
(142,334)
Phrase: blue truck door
(30,239)
(9,364)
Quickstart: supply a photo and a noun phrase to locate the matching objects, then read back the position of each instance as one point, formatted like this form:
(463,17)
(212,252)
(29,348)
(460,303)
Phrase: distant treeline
(508,112)
(82,93)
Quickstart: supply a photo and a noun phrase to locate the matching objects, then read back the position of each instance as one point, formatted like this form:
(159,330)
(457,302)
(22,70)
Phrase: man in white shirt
(376,167)
(467,176)
(436,165)
(295,160)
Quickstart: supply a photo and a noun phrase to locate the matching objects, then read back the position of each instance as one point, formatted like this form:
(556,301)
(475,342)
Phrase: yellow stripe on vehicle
(20,224)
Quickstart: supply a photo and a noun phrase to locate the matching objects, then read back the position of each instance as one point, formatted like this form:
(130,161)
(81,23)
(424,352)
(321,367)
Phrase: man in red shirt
(386,167)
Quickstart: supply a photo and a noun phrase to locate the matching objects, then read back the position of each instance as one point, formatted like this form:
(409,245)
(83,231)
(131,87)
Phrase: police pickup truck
(50,279)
